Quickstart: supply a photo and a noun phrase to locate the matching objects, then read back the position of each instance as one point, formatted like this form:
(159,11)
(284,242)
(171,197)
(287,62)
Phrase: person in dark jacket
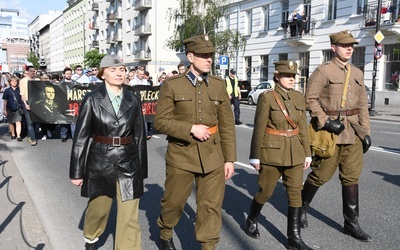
(116,163)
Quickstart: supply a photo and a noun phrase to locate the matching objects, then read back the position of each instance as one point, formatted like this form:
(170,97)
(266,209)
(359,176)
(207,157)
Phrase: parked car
(369,92)
(255,92)
(245,88)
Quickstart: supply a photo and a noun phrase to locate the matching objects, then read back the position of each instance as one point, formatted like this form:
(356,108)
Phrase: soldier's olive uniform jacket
(182,103)
(324,92)
(277,150)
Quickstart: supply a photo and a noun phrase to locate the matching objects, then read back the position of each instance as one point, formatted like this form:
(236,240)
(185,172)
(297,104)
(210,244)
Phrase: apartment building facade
(136,30)
(265,25)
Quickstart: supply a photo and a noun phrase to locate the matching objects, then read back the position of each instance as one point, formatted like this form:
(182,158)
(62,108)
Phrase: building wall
(56,63)
(277,40)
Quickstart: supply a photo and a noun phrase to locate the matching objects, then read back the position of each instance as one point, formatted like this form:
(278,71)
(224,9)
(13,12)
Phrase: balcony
(95,6)
(94,26)
(95,44)
(143,30)
(142,5)
(109,1)
(299,33)
(389,23)
(111,39)
(142,56)
(118,38)
(113,17)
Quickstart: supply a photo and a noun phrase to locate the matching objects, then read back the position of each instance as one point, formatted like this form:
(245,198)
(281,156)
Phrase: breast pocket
(184,104)
(335,86)
(215,102)
(276,114)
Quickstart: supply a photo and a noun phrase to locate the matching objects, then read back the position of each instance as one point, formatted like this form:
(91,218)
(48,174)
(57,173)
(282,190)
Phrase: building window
(327,55)
(128,49)
(265,15)
(283,57)
(227,22)
(361,5)
(392,66)
(128,25)
(264,68)
(332,7)
(358,58)
(247,66)
(249,20)
(304,63)
(285,11)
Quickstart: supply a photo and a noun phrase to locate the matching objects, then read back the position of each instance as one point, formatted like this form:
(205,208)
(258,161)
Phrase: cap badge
(291,66)
(206,37)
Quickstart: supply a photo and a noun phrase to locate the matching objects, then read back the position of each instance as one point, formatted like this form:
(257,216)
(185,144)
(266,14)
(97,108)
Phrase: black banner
(59,103)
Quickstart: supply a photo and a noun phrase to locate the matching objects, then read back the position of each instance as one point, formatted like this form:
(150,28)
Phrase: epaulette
(216,77)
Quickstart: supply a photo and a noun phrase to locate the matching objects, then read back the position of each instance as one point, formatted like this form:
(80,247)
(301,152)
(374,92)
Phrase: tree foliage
(196,17)
(93,58)
(34,59)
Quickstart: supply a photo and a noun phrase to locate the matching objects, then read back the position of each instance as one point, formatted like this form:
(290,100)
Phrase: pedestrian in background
(116,163)
(280,129)
(194,112)
(11,103)
(233,89)
(181,68)
(323,97)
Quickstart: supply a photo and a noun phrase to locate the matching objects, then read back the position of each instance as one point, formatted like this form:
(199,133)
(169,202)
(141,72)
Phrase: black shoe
(251,228)
(64,139)
(167,244)
(19,139)
(90,246)
(13,137)
(238,122)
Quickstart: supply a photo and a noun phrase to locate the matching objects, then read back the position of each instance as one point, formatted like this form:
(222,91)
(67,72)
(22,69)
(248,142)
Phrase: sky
(30,9)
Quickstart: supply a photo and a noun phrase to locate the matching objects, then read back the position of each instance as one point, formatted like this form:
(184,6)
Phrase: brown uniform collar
(193,79)
(339,64)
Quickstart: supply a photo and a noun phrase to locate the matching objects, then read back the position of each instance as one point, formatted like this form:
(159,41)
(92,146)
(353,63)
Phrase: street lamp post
(372,112)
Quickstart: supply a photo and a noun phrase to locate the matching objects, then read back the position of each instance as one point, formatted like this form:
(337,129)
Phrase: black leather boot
(351,212)
(167,244)
(251,225)
(307,194)
(293,230)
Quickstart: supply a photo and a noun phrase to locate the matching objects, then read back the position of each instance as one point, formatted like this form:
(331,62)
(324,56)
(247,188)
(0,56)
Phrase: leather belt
(348,112)
(113,141)
(213,129)
(286,133)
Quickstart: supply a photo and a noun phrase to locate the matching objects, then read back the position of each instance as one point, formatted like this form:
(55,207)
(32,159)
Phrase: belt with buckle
(348,112)
(286,133)
(213,129)
(113,141)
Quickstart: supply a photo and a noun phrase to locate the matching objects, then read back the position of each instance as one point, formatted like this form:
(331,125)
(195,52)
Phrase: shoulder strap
(285,113)
(346,86)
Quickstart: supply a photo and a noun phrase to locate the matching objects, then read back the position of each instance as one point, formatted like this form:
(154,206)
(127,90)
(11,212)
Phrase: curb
(32,233)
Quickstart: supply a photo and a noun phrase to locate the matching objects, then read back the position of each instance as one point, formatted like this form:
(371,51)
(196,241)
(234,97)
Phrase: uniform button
(199,92)
(201,119)
(116,123)
(199,102)
(199,110)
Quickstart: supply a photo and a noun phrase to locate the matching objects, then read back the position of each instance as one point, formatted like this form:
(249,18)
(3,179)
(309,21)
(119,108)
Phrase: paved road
(44,169)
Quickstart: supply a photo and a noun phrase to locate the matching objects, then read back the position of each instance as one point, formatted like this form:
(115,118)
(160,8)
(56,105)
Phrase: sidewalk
(20,226)
(386,114)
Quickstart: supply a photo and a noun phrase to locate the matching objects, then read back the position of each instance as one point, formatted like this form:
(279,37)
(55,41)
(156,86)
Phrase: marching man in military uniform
(324,96)
(280,148)
(194,112)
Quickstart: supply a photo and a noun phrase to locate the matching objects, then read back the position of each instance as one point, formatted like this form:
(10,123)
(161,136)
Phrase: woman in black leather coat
(116,163)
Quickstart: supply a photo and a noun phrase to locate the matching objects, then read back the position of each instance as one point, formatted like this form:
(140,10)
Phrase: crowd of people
(194,111)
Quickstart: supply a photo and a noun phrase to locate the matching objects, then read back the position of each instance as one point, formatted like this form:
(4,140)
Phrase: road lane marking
(388,132)
(386,150)
(244,165)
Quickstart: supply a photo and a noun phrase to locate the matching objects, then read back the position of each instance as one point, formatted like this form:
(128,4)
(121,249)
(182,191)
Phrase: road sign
(223,62)
(379,37)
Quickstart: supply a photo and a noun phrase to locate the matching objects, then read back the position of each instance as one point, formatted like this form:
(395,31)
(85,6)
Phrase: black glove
(334,126)
(366,143)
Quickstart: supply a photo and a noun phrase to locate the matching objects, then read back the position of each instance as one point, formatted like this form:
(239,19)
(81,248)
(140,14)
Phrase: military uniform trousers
(127,233)
(292,178)
(349,158)
(210,189)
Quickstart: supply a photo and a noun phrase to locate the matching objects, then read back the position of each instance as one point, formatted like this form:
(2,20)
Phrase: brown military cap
(343,37)
(199,44)
(285,67)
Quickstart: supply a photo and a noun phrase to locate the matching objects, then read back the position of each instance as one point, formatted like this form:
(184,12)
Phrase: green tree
(93,58)
(34,59)
(196,17)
